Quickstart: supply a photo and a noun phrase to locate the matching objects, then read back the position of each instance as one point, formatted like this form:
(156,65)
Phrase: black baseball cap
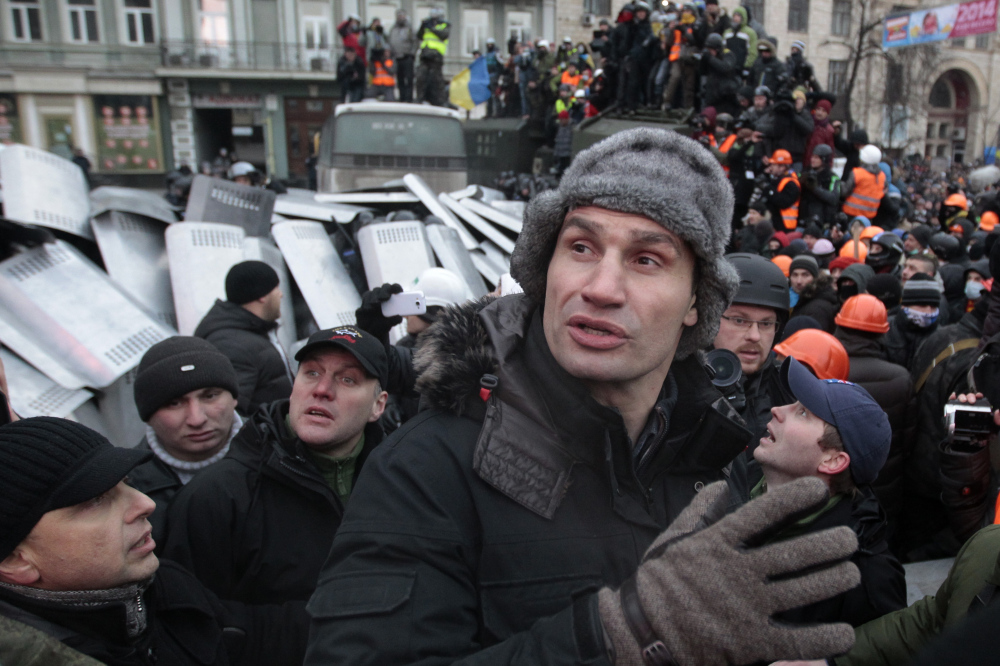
(363,346)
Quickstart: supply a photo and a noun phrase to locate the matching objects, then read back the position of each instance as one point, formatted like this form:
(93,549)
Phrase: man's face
(809,241)
(242,180)
(272,305)
(749,343)
(196,425)
(776,169)
(333,398)
(760,102)
(736,19)
(620,291)
(754,216)
(819,113)
(816,163)
(911,244)
(800,278)
(835,273)
(791,450)
(99,544)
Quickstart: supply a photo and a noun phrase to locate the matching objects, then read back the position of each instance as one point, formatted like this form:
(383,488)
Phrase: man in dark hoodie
(257,526)
(853,281)
(243,328)
(916,320)
(816,297)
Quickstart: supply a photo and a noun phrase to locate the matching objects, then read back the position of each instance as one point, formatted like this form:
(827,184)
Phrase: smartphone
(406,303)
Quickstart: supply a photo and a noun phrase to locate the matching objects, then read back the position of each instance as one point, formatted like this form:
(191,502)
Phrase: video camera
(968,426)
(725,371)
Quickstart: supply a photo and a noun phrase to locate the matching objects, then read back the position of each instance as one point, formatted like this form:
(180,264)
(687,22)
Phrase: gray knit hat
(658,174)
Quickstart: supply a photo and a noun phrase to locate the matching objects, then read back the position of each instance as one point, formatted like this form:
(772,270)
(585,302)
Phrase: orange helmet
(781,156)
(847,250)
(988,220)
(819,350)
(784,262)
(870,232)
(957,200)
(863,312)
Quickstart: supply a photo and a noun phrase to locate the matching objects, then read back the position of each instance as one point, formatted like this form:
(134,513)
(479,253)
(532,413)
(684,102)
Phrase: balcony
(261,57)
(96,57)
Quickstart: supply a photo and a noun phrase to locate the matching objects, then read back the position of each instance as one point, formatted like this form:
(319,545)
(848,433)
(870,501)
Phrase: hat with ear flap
(658,174)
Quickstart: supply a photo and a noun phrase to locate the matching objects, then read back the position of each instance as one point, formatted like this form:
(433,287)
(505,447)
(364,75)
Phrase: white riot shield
(492,214)
(427,197)
(131,200)
(320,275)
(34,394)
(200,255)
(489,270)
(515,209)
(302,204)
(218,200)
(451,254)
(135,256)
(264,250)
(496,255)
(394,252)
(481,192)
(118,413)
(477,222)
(44,189)
(66,317)
(368,198)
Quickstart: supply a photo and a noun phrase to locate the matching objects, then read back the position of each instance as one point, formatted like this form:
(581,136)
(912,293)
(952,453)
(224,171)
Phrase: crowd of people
(654,452)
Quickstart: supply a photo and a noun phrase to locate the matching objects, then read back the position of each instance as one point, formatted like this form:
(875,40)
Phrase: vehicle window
(398,134)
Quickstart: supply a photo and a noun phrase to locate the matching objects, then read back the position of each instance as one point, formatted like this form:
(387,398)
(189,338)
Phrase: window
(895,81)
(25,21)
(798,15)
(214,21)
(983,42)
(316,33)
(139,26)
(958,43)
(755,8)
(930,130)
(841,23)
(519,26)
(475,27)
(599,7)
(82,24)
(837,77)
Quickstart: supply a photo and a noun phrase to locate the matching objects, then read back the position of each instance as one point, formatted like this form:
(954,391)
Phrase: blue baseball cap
(862,424)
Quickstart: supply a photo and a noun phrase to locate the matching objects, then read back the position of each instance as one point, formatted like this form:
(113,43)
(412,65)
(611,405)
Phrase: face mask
(973,290)
(921,319)
(845,291)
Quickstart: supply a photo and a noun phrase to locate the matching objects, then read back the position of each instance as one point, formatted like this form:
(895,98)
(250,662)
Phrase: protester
(916,320)
(403,47)
(433,35)
(243,328)
(815,295)
(257,526)
(602,350)
(351,76)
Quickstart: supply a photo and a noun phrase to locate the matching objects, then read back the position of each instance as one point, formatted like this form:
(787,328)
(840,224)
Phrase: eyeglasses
(744,324)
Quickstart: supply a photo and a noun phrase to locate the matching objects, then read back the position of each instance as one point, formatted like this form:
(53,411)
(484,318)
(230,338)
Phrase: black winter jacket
(479,532)
(770,73)
(160,483)
(892,388)
(243,337)
(257,525)
(819,301)
(903,340)
(721,80)
(187,625)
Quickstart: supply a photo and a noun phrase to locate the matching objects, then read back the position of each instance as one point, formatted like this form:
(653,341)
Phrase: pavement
(924,578)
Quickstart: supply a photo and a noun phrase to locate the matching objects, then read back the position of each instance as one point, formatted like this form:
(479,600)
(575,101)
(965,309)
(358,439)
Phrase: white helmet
(870,155)
(441,287)
(241,169)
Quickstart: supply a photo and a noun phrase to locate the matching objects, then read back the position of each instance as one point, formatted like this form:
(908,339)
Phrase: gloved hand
(369,316)
(704,593)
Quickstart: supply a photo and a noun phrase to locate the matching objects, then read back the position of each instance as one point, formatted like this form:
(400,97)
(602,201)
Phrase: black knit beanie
(179,365)
(886,288)
(805,261)
(48,463)
(249,280)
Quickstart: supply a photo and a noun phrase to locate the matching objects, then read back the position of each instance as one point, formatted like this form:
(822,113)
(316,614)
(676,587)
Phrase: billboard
(128,134)
(936,24)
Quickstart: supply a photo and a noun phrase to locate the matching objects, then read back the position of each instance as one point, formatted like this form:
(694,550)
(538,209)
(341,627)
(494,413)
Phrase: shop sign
(226,101)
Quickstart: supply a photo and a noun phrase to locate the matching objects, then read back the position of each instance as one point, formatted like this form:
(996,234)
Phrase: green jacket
(896,637)
(27,646)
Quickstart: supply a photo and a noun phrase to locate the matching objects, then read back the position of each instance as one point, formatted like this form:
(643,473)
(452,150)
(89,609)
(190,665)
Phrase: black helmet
(892,250)
(946,246)
(822,150)
(761,283)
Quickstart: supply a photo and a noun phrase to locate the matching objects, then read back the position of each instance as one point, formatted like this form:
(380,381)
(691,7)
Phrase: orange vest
(724,148)
(382,76)
(675,48)
(571,80)
(790,215)
(868,191)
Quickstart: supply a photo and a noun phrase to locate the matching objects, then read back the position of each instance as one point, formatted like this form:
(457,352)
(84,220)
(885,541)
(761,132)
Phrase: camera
(968,426)
(725,371)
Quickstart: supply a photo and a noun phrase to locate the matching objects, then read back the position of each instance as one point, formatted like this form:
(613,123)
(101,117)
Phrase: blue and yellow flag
(471,86)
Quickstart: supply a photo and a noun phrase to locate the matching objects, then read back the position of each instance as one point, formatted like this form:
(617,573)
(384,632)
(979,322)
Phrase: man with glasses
(749,328)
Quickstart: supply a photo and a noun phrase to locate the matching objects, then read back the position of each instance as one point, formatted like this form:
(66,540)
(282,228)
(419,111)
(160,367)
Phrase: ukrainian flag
(471,86)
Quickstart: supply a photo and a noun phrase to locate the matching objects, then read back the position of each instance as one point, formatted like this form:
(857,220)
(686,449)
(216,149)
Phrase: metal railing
(261,56)
(73,56)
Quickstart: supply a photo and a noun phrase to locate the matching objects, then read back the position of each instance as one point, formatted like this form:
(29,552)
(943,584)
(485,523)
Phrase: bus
(365,144)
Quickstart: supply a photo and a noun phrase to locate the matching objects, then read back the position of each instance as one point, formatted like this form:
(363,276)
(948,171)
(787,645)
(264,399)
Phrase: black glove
(369,316)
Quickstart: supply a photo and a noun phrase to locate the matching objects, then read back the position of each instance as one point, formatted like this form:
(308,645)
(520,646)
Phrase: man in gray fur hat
(569,427)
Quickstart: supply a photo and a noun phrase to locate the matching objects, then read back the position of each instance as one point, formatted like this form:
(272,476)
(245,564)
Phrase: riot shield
(394,252)
(492,214)
(200,255)
(264,250)
(135,256)
(131,200)
(218,200)
(318,271)
(368,198)
(451,254)
(427,197)
(302,204)
(34,394)
(477,222)
(44,189)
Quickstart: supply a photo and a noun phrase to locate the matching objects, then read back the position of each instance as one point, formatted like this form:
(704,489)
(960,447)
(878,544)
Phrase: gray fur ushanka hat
(661,175)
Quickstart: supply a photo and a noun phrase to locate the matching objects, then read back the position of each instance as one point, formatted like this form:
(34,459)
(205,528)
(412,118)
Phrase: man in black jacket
(243,328)
(77,562)
(568,427)
(835,431)
(185,391)
(256,526)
